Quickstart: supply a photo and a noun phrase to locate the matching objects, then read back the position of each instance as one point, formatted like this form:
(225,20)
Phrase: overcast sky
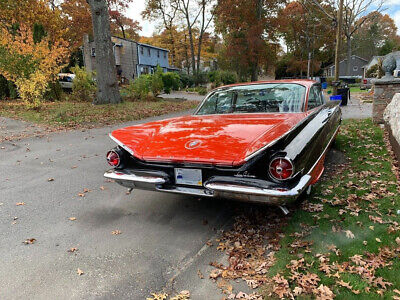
(393,9)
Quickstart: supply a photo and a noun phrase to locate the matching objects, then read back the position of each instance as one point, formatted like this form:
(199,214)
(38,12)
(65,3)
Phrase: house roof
(332,65)
(142,44)
(151,46)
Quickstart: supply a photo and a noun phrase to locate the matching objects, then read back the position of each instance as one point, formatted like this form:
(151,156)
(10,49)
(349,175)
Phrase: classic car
(259,142)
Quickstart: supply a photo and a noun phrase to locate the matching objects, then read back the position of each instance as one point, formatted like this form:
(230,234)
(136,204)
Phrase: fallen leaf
(29,241)
(398,240)
(102,188)
(214,274)
(201,276)
(72,218)
(80,272)
(72,250)
(20,203)
(116,232)
(81,195)
(378,240)
(158,296)
(50,179)
(349,234)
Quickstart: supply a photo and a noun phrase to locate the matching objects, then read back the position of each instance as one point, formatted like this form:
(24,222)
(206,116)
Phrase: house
(132,58)
(375,59)
(356,70)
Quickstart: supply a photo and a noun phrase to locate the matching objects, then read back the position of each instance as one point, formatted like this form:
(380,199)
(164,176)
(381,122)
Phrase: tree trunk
(172,41)
(123,31)
(348,51)
(107,85)
(203,5)
(254,72)
(192,54)
(255,65)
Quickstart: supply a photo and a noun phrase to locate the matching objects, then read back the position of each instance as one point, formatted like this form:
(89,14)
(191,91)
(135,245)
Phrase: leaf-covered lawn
(342,243)
(346,236)
(65,114)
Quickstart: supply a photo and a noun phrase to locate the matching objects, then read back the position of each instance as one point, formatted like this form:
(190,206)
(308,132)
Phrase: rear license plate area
(188,176)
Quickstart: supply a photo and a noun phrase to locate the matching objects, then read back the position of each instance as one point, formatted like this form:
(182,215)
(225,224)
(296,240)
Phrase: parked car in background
(259,142)
(366,83)
(65,80)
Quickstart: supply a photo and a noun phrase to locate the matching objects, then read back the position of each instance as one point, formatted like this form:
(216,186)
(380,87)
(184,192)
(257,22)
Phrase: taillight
(281,168)
(113,158)
(365,81)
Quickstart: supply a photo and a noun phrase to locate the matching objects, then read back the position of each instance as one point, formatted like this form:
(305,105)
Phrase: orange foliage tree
(248,28)
(31,66)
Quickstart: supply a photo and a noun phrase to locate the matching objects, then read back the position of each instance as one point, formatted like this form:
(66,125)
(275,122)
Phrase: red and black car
(261,142)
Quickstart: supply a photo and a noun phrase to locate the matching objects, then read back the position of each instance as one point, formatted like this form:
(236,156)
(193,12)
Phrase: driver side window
(315,98)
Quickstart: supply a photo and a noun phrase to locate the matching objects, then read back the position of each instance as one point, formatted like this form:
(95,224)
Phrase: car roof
(305,82)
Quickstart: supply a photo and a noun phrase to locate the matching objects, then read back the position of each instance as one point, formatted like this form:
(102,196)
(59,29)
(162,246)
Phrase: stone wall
(384,90)
(392,122)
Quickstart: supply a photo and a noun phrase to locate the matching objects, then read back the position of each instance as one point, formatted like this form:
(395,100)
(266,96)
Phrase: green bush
(222,77)
(187,80)
(84,86)
(54,91)
(157,84)
(201,78)
(171,81)
(140,88)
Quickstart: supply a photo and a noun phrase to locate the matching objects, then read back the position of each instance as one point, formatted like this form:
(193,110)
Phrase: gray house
(356,68)
(131,58)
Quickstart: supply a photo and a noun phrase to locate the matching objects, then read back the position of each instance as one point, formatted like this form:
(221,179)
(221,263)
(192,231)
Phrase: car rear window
(256,98)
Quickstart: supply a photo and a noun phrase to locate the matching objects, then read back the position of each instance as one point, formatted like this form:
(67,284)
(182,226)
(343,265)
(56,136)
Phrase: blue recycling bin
(336,98)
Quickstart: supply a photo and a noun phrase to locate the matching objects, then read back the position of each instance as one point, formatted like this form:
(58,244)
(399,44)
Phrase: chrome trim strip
(324,152)
(185,191)
(120,175)
(121,144)
(232,188)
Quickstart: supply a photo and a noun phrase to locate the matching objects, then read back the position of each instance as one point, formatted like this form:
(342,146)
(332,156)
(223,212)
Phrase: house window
(158,53)
(165,54)
(355,68)
(93,51)
(141,50)
(148,51)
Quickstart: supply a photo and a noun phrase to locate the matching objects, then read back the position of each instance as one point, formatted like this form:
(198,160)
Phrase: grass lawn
(343,242)
(346,236)
(353,89)
(66,114)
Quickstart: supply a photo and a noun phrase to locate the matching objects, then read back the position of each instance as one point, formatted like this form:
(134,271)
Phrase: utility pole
(339,21)
(308,65)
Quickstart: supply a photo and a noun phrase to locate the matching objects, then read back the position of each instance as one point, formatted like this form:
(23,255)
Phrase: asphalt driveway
(127,245)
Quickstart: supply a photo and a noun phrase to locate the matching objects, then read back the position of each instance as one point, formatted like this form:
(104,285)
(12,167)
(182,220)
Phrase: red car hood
(212,139)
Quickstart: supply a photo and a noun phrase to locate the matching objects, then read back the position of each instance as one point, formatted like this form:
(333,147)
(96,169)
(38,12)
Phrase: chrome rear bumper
(214,189)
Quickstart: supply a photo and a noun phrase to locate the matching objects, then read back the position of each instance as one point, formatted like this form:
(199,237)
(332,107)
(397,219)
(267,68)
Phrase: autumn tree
(77,17)
(355,14)
(167,11)
(123,26)
(107,85)
(375,34)
(197,15)
(30,64)
(308,34)
(247,28)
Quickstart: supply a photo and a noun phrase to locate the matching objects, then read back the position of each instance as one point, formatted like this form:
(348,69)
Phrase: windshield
(256,98)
